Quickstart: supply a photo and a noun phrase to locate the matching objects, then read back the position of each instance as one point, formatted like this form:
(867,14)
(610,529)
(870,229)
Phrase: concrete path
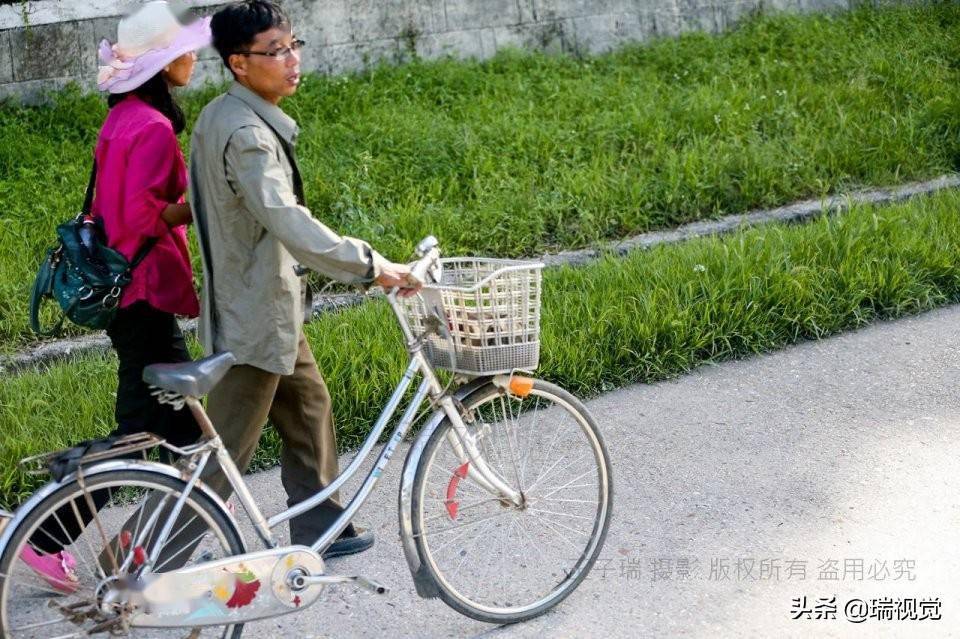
(828,470)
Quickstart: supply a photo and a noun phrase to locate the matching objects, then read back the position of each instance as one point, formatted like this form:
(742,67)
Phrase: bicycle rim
(496,562)
(32,608)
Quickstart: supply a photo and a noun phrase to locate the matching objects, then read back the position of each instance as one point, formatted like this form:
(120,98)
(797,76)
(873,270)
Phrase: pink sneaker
(57,569)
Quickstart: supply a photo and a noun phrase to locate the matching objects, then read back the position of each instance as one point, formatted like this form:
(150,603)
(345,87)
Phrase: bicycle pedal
(371,585)
(327,580)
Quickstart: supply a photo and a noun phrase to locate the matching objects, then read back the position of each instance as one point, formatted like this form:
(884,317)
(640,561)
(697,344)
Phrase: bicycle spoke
(521,526)
(86,541)
(567,466)
(471,523)
(549,526)
(553,441)
(566,527)
(135,534)
(554,490)
(492,425)
(88,500)
(42,624)
(464,554)
(465,483)
(528,447)
(145,537)
(549,470)
(506,564)
(78,614)
(488,571)
(460,509)
(513,445)
(191,545)
(39,585)
(553,512)
(56,541)
(572,501)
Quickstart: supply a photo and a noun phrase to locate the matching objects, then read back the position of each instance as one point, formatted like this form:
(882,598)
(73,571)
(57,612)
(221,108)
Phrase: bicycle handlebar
(429,252)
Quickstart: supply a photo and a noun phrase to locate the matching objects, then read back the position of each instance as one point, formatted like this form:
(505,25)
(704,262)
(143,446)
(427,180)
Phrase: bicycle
(504,503)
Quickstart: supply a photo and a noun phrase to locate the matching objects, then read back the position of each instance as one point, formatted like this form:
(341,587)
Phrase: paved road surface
(840,458)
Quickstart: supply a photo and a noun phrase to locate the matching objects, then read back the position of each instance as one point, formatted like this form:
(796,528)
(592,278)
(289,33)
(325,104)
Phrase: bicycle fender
(422,580)
(11,524)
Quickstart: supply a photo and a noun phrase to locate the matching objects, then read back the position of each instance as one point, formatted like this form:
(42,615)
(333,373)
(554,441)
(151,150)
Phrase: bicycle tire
(449,592)
(129,479)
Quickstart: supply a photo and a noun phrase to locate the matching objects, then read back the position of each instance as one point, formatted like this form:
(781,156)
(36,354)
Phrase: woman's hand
(177,214)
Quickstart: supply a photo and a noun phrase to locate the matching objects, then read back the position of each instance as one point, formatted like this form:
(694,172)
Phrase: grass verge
(650,316)
(530,152)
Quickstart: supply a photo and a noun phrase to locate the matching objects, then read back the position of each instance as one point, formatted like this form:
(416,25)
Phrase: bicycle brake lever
(426,245)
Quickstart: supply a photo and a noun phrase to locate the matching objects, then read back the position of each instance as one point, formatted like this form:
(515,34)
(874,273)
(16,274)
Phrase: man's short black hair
(235,26)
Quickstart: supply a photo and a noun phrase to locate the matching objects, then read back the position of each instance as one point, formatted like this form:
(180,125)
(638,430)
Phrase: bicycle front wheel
(495,561)
(131,507)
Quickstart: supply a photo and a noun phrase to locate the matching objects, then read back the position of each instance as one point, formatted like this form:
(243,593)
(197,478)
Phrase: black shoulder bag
(82,273)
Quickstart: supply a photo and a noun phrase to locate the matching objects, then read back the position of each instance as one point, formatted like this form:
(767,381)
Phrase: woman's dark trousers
(141,335)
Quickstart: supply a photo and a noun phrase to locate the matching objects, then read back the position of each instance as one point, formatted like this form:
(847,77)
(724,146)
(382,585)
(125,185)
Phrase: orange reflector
(521,386)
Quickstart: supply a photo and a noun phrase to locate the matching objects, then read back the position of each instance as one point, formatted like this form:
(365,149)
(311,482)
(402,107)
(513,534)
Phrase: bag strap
(297,180)
(288,151)
(88,205)
(43,285)
(88,198)
(142,253)
(42,290)
(302,201)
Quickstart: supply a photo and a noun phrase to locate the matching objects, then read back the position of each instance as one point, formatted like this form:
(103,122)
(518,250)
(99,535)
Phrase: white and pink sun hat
(147,41)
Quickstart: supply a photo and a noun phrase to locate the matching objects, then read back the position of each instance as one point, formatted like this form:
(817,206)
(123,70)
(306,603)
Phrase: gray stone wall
(46,44)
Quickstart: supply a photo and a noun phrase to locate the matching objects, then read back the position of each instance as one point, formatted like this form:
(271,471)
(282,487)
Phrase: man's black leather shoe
(349,545)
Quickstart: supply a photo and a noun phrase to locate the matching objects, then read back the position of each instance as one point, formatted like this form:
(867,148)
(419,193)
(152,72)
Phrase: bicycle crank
(227,591)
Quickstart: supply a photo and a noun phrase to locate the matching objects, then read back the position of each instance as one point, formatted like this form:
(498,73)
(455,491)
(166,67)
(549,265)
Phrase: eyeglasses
(278,54)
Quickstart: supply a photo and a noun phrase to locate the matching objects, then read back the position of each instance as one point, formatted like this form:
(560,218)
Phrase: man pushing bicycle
(254,230)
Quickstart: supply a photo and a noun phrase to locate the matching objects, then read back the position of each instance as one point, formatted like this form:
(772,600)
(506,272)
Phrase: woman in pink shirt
(140,183)
(141,179)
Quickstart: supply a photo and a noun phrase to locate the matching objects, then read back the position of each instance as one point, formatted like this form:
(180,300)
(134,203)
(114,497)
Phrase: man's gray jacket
(253,232)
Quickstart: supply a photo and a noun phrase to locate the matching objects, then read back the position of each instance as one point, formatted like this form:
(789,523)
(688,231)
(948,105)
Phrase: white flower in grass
(699,268)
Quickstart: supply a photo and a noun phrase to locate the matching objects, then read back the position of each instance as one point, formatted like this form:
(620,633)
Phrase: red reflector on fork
(452,504)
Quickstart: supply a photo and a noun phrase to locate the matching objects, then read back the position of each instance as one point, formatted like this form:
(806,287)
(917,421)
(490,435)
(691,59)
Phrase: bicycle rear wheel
(113,544)
(494,561)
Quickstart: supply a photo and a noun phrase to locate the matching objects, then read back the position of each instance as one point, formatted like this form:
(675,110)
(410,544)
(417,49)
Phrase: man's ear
(238,64)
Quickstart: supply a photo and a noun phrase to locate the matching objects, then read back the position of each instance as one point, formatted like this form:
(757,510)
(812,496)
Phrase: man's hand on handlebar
(398,276)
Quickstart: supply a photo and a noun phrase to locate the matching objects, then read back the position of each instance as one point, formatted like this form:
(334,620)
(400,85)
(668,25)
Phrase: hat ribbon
(115,65)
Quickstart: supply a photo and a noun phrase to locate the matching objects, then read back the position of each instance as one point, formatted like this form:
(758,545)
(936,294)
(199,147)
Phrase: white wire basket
(492,311)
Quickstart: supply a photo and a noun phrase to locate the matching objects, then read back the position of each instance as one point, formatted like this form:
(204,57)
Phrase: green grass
(647,317)
(530,152)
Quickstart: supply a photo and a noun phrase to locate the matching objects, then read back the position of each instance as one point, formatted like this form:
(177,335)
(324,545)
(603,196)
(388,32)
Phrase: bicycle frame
(462,441)
(137,591)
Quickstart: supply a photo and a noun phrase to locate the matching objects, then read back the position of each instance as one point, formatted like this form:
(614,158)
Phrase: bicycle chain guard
(228,591)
